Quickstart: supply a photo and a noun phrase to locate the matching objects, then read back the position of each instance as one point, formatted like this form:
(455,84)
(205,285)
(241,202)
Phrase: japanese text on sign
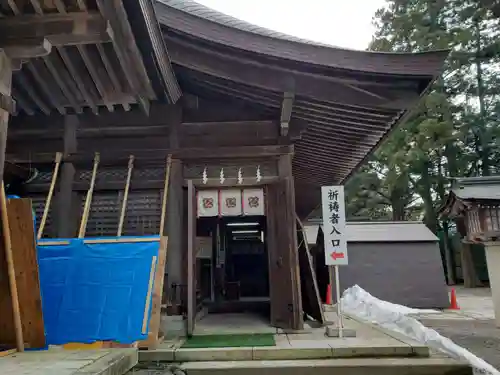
(334,225)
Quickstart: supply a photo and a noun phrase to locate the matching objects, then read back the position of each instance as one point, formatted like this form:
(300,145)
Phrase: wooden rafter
(95,76)
(54,69)
(44,87)
(111,72)
(32,93)
(77,78)
(58,29)
(128,54)
(22,103)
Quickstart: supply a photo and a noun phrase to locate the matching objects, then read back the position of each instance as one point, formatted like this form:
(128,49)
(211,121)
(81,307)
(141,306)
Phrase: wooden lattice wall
(143,207)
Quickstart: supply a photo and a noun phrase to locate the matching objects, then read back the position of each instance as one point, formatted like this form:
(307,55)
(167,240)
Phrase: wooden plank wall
(26,268)
(27,278)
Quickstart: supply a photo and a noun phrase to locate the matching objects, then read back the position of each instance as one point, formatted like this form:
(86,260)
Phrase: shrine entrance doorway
(230,263)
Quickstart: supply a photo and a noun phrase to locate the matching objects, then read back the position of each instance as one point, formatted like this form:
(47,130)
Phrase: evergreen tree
(455,131)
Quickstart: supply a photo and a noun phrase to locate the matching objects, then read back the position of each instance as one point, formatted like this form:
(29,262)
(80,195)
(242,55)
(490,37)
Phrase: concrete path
(310,343)
(373,351)
(471,327)
(69,362)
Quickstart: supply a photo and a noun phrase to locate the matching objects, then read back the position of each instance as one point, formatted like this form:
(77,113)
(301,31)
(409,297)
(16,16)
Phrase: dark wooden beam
(119,155)
(67,207)
(58,29)
(91,127)
(232,152)
(286,112)
(26,48)
(100,185)
(232,181)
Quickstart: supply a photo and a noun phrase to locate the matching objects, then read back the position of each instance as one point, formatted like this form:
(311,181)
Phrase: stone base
(334,332)
(172,326)
(344,366)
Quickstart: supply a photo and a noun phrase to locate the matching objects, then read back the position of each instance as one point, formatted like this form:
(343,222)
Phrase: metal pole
(339,310)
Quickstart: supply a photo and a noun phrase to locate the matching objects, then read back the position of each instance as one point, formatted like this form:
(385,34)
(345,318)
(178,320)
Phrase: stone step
(299,349)
(350,366)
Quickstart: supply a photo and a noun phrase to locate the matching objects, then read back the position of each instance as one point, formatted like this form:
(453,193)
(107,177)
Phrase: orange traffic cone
(453,300)
(329,295)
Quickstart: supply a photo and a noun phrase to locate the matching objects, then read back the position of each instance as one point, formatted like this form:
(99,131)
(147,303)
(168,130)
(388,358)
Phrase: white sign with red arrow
(334,225)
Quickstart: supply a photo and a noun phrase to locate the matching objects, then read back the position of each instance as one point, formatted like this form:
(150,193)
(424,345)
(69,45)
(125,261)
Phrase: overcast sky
(342,23)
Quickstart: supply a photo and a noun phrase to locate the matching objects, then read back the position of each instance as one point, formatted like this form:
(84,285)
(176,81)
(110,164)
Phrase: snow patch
(359,303)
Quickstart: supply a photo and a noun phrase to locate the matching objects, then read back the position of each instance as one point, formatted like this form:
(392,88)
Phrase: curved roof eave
(199,21)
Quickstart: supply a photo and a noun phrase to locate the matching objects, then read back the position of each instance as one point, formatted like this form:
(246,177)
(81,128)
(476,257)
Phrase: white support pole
(339,308)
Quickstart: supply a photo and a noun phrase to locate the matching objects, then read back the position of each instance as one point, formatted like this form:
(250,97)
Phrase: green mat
(230,341)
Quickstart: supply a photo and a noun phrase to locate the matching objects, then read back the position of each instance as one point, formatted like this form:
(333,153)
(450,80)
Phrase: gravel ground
(480,337)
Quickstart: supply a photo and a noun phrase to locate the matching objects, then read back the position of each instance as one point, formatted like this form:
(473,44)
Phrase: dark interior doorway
(232,267)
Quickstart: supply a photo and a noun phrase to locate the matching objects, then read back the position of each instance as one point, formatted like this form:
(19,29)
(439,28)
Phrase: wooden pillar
(5,91)
(285,174)
(67,202)
(471,279)
(175,220)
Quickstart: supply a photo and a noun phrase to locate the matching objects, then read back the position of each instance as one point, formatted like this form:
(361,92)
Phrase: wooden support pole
(165,196)
(5,91)
(11,271)
(46,209)
(148,295)
(190,259)
(125,195)
(88,199)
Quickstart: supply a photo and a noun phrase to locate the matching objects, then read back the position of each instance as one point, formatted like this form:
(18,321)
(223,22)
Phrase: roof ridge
(202,11)
(198,10)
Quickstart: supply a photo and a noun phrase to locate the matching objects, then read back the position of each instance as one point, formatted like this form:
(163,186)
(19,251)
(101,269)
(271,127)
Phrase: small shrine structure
(474,203)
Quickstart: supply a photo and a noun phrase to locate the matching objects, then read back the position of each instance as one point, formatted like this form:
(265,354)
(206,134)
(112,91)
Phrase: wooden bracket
(7,103)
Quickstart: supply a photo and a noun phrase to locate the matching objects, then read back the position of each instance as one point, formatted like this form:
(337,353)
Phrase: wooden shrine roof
(334,105)
(469,190)
(347,101)
(91,54)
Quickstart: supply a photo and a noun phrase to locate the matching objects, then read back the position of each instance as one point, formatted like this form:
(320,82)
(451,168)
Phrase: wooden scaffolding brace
(11,272)
(157,272)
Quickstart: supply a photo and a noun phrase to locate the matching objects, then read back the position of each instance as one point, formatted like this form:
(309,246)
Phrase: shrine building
(249,122)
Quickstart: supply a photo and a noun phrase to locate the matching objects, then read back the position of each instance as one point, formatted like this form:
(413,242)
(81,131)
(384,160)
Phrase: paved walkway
(471,327)
(373,350)
(309,343)
(69,362)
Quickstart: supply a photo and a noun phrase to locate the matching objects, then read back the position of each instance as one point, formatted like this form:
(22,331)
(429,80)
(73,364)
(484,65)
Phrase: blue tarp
(95,292)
